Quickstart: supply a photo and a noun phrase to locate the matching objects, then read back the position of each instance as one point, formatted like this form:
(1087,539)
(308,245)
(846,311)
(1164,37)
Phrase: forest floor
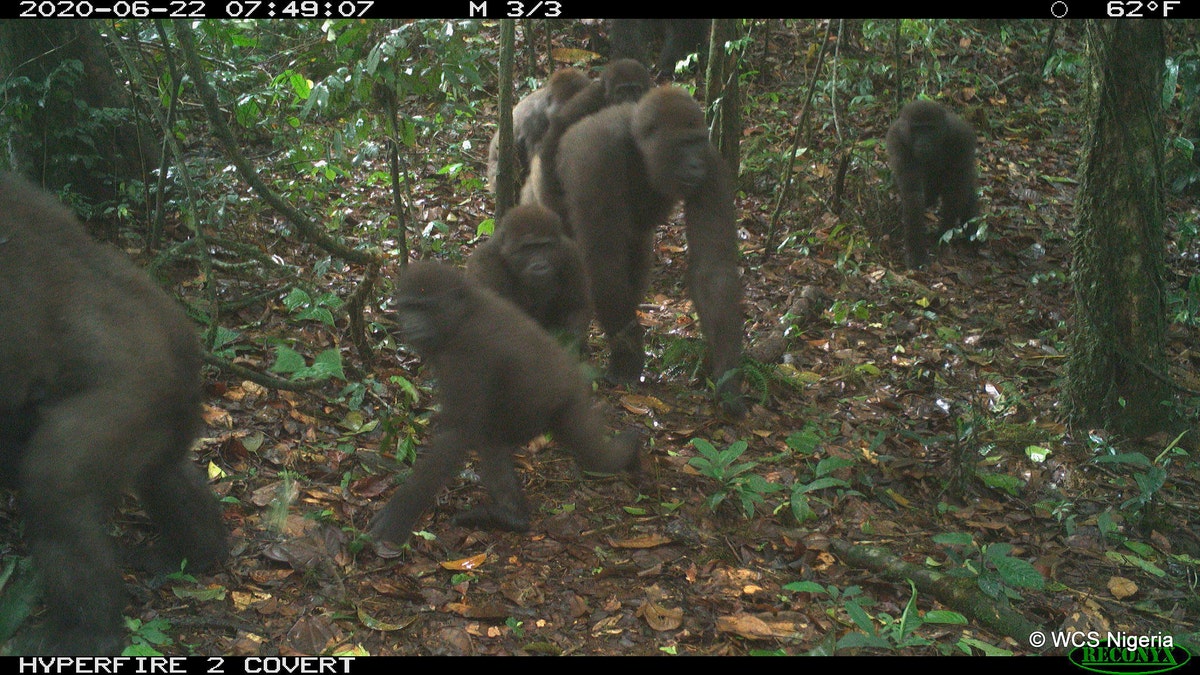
(915,412)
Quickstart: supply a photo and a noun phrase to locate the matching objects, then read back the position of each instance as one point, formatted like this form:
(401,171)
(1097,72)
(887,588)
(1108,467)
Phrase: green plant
(326,365)
(805,443)
(18,594)
(733,478)
(997,573)
(146,637)
(304,307)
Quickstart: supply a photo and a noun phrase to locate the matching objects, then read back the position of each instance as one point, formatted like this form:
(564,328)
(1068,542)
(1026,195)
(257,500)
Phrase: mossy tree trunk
(1114,375)
(69,118)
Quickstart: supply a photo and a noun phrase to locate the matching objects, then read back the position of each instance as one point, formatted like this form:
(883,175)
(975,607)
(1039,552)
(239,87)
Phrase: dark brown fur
(502,381)
(623,170)
(531,120)
(622,81)
(932,155)
(99,392)
(631,38)
(531,262)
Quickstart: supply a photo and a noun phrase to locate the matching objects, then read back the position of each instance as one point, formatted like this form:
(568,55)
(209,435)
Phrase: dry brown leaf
(644,541)
(1121,587)
(465,564)
(661,618)
(640,404)
(752,627)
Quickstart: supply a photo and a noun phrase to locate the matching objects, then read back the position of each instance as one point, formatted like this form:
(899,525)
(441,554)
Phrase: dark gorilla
(622,171)
(932,154)
(622,81)
(502,382)
(531,119)
(99,392)
(630,38)
(531,262)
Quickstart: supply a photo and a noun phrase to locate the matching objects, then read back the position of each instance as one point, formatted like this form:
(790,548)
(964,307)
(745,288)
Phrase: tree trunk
(1115,374)
(506,190)
(722,93)
(60,128)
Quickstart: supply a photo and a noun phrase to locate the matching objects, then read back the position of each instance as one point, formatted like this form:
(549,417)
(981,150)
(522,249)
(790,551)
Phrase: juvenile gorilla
(531,119)
(622,81)
(502,382)
(622,171)
(99,392)
(531,262)
(932,155)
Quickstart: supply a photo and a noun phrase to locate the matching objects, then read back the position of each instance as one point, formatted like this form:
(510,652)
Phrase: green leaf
(860,617)
(821,484)
(287,360)
(1134,458)
(954,539)
(944,616)
(805,587)
(296,299)
(316,314)
(1037,453)
(801,510)
(328,364)
(831,464)
(1019,573)
(804,442)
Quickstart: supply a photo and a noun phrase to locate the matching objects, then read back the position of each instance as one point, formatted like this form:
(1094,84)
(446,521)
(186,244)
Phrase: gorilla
(531,262)
(99,392)
(932,155)
(502,381)
(622,81)
(622,171)
(531,119)
(631,38)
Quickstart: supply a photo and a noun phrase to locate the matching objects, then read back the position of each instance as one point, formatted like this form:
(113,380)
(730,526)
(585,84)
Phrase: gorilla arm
(713,278)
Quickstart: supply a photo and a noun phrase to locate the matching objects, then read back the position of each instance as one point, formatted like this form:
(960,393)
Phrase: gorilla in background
(99,392)
(932,155)
(631,38)
(531,119)
(502,382)
(622,81)
(622,171)
(531,262)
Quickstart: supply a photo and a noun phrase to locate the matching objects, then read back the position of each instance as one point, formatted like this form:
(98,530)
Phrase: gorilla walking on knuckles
(531,262)
(502,382)
(622,171)
(932,155)
(99,392)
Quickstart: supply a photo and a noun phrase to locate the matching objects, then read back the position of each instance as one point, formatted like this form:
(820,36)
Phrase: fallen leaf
(465,564)
(1121,587)
(661,618)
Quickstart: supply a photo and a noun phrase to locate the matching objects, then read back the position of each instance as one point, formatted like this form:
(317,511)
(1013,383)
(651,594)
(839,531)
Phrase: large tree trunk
(1115,373)
(69,122)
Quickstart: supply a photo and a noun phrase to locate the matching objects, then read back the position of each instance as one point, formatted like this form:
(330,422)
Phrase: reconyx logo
(1129,655)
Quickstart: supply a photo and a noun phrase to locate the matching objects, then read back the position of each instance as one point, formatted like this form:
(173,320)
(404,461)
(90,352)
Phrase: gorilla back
(99,393)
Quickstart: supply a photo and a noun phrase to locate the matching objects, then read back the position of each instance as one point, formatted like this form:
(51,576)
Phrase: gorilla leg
(435,465)
(66,518)
(508,509)
(912,219)
(620,272)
